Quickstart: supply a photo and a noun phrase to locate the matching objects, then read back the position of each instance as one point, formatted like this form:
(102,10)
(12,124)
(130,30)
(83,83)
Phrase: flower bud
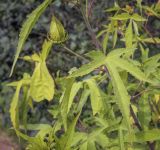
(57,32)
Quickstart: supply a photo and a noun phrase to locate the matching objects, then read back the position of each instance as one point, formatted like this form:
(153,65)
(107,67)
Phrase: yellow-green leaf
(14,107)
(123,99)
(137,17)
(46,47)
(74,90)
(128,35)
(123,16)
(27,27)
(65,100)
(64,143)
(87,68)
(154,40)
(95,96)
(42,84)
(130,67)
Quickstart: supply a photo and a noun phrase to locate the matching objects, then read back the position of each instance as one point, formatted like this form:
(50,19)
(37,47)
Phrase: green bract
(57,32)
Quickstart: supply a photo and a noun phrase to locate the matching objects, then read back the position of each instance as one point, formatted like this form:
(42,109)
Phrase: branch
(93,36)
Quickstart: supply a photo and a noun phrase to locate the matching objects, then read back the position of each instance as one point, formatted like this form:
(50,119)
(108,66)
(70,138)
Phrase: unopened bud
(57,32)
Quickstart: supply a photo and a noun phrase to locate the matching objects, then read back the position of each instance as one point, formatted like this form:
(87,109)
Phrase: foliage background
(12,15)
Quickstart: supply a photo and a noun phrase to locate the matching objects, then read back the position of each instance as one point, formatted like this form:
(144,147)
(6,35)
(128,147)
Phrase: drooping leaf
(14,107)
(42,84)
(27,27)
(24,105)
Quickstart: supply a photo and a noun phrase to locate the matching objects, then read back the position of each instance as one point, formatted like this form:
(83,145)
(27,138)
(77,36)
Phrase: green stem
(74,53)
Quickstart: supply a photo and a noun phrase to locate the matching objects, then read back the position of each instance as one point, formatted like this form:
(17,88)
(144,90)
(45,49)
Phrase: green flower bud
(57,32)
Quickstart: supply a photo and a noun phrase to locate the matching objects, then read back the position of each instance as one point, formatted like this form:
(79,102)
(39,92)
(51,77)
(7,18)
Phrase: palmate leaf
(27,27)
(42,84)
(98,60)
(113,61)
(122,96)
(14,107)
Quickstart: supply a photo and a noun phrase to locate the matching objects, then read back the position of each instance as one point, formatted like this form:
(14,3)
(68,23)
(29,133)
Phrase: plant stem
(93,36)
(74,53)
